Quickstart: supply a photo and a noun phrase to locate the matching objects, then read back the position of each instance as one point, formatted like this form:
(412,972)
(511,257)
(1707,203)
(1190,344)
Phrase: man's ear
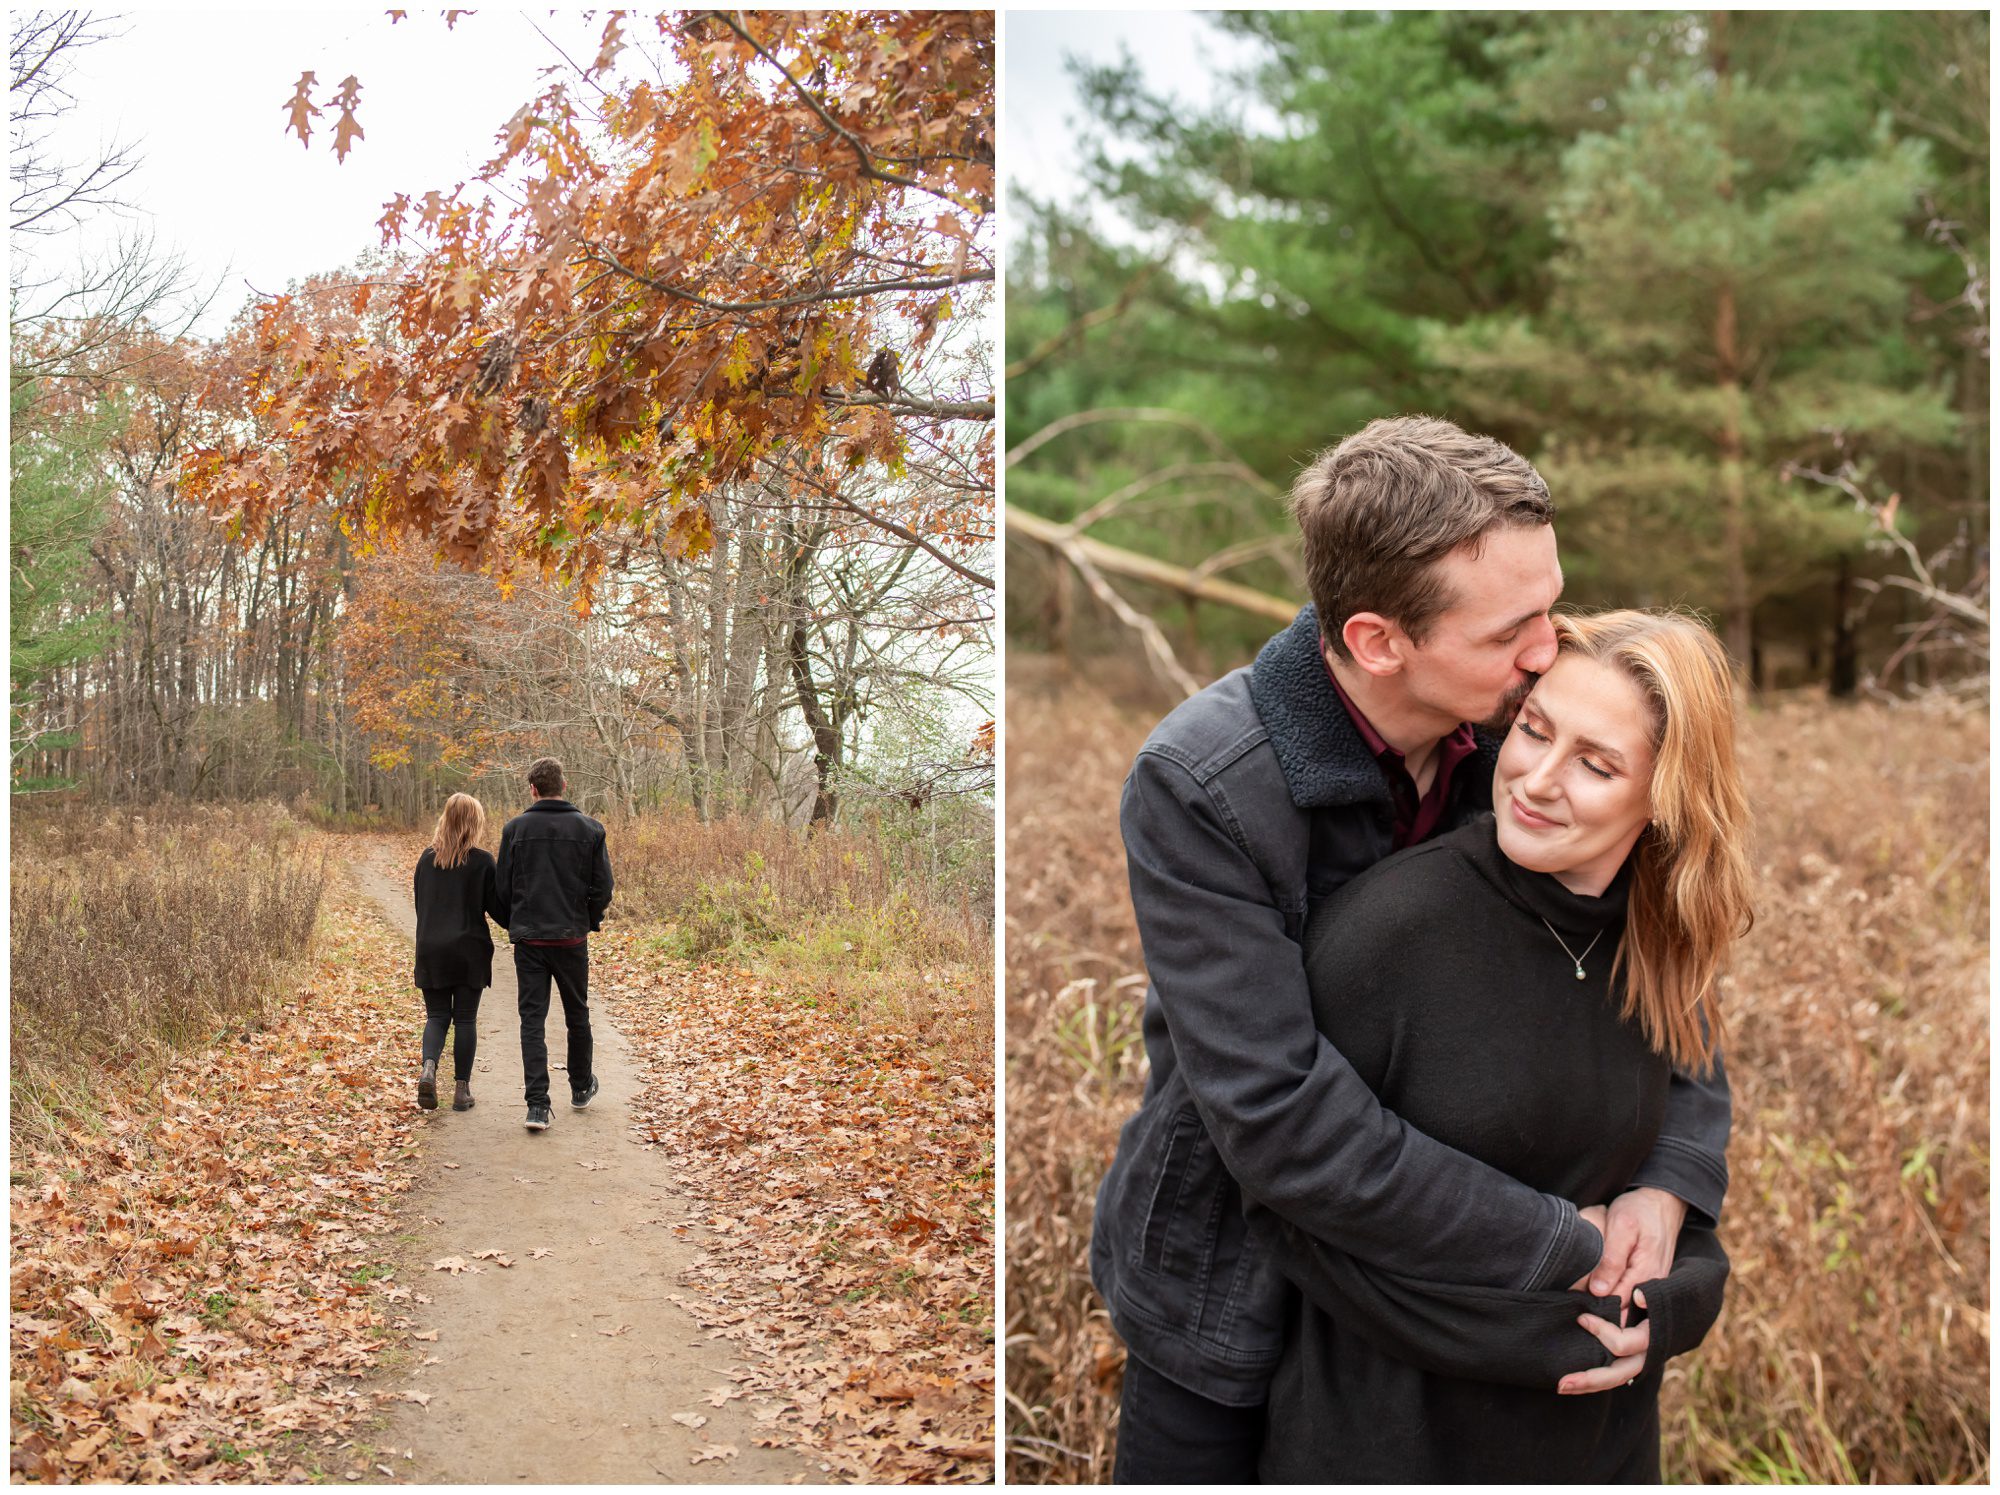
(1375,643)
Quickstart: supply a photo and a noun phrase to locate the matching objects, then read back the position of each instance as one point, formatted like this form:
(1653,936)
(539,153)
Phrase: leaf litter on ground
(206,1259)
(843,1175)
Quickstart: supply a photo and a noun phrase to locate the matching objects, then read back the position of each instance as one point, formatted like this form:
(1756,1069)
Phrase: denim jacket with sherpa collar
(1251,801)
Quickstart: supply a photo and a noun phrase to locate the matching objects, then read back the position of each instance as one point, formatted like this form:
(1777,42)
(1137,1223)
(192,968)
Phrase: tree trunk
(1729,364)
(1844,671)
(826,736)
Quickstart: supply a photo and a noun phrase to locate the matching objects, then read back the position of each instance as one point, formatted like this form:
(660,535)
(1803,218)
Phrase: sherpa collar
(1325,762)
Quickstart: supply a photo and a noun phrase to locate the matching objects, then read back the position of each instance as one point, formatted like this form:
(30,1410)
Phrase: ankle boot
(427,1086)
(461,1096)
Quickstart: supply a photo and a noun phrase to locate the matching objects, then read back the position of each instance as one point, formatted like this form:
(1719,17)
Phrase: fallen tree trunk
(1113,561)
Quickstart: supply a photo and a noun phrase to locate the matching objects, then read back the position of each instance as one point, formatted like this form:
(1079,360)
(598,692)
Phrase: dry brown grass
(830,914)
(1854,1346)
(137,933)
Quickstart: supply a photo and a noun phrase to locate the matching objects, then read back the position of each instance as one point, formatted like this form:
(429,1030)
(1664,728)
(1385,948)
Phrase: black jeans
(534,966)
(457,1008)
(1168,1435)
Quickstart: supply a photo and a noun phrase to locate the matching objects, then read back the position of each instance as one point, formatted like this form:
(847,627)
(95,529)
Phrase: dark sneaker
(461,1099)
(538,1118)
(427,1086)
(578,1099)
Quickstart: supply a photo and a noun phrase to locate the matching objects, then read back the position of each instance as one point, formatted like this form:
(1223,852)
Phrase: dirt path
(567,1368)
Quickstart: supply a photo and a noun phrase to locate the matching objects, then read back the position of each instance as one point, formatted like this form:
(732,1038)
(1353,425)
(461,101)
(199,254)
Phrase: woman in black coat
(1522,988)
(456,892)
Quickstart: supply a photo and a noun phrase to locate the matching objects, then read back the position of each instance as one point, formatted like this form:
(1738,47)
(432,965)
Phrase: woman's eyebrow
(1584,744)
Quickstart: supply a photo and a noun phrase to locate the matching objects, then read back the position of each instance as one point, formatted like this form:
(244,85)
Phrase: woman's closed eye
(1522,723)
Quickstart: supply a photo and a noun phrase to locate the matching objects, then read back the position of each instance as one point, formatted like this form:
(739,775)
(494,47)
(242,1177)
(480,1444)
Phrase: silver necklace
(1574,957)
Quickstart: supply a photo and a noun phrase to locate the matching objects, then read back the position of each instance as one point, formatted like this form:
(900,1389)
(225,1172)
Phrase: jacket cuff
(1684,1305)
(1576,1247)
(1697,1177)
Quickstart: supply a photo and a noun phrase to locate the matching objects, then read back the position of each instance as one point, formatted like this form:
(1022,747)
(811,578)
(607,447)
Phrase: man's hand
(1627,1345)
(1644,1227)
(1598,1219)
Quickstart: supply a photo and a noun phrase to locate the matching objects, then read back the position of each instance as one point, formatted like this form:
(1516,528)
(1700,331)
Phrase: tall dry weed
(1854,1345)
(833,913)
(136,932)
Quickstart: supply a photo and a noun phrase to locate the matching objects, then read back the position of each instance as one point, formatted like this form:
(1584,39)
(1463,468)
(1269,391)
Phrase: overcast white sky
(202,94)
(1180,53)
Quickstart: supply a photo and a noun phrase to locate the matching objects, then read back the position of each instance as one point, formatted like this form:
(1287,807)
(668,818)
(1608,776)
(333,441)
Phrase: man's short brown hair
(1381,509)
(545,776)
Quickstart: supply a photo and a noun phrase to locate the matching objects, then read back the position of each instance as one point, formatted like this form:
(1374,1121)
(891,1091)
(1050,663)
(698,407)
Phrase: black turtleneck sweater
(1436,975)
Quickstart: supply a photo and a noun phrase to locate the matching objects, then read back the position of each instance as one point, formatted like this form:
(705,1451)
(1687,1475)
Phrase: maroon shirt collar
(1414,819)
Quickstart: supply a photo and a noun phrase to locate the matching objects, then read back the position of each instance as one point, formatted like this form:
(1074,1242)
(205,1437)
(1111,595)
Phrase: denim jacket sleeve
(1293,1123)
(1529,1339)
(490,900)
(598,894)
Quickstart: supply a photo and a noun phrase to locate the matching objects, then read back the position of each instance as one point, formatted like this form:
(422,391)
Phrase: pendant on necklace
(1579,973)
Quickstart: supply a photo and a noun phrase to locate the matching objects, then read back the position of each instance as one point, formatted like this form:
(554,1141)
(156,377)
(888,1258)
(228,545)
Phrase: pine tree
(1731,286)
(57,497)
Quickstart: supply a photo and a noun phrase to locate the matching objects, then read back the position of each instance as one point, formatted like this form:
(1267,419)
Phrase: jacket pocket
(1168,1207)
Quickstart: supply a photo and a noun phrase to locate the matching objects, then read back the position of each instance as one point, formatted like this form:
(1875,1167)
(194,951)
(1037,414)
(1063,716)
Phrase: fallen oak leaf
(451,1264)
(691,1419)
(539,1252)
(713,1451)
(614,1333)
(498,1258)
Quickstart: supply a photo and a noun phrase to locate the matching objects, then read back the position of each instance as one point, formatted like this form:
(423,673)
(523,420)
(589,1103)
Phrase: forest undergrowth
(1854,1344)
(136,934)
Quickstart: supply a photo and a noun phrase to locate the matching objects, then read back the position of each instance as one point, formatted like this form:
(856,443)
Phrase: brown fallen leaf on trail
(520,1180)
(498,1258)
(591,1164)
(421,1398)
(451,1264)
(691,1419)
(721,1394)
(85,1449)
(539,1252)
(429,1335)
(614,1333)
(453,1165)
(711,1452)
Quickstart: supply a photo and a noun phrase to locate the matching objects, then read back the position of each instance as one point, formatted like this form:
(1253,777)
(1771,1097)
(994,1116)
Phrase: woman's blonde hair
(460,826)
(1691,868)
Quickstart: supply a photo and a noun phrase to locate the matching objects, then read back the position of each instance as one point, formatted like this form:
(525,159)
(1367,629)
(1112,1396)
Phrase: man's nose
(1540,652)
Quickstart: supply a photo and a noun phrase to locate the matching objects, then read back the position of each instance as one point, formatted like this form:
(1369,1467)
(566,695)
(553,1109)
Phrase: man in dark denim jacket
(1432,565)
